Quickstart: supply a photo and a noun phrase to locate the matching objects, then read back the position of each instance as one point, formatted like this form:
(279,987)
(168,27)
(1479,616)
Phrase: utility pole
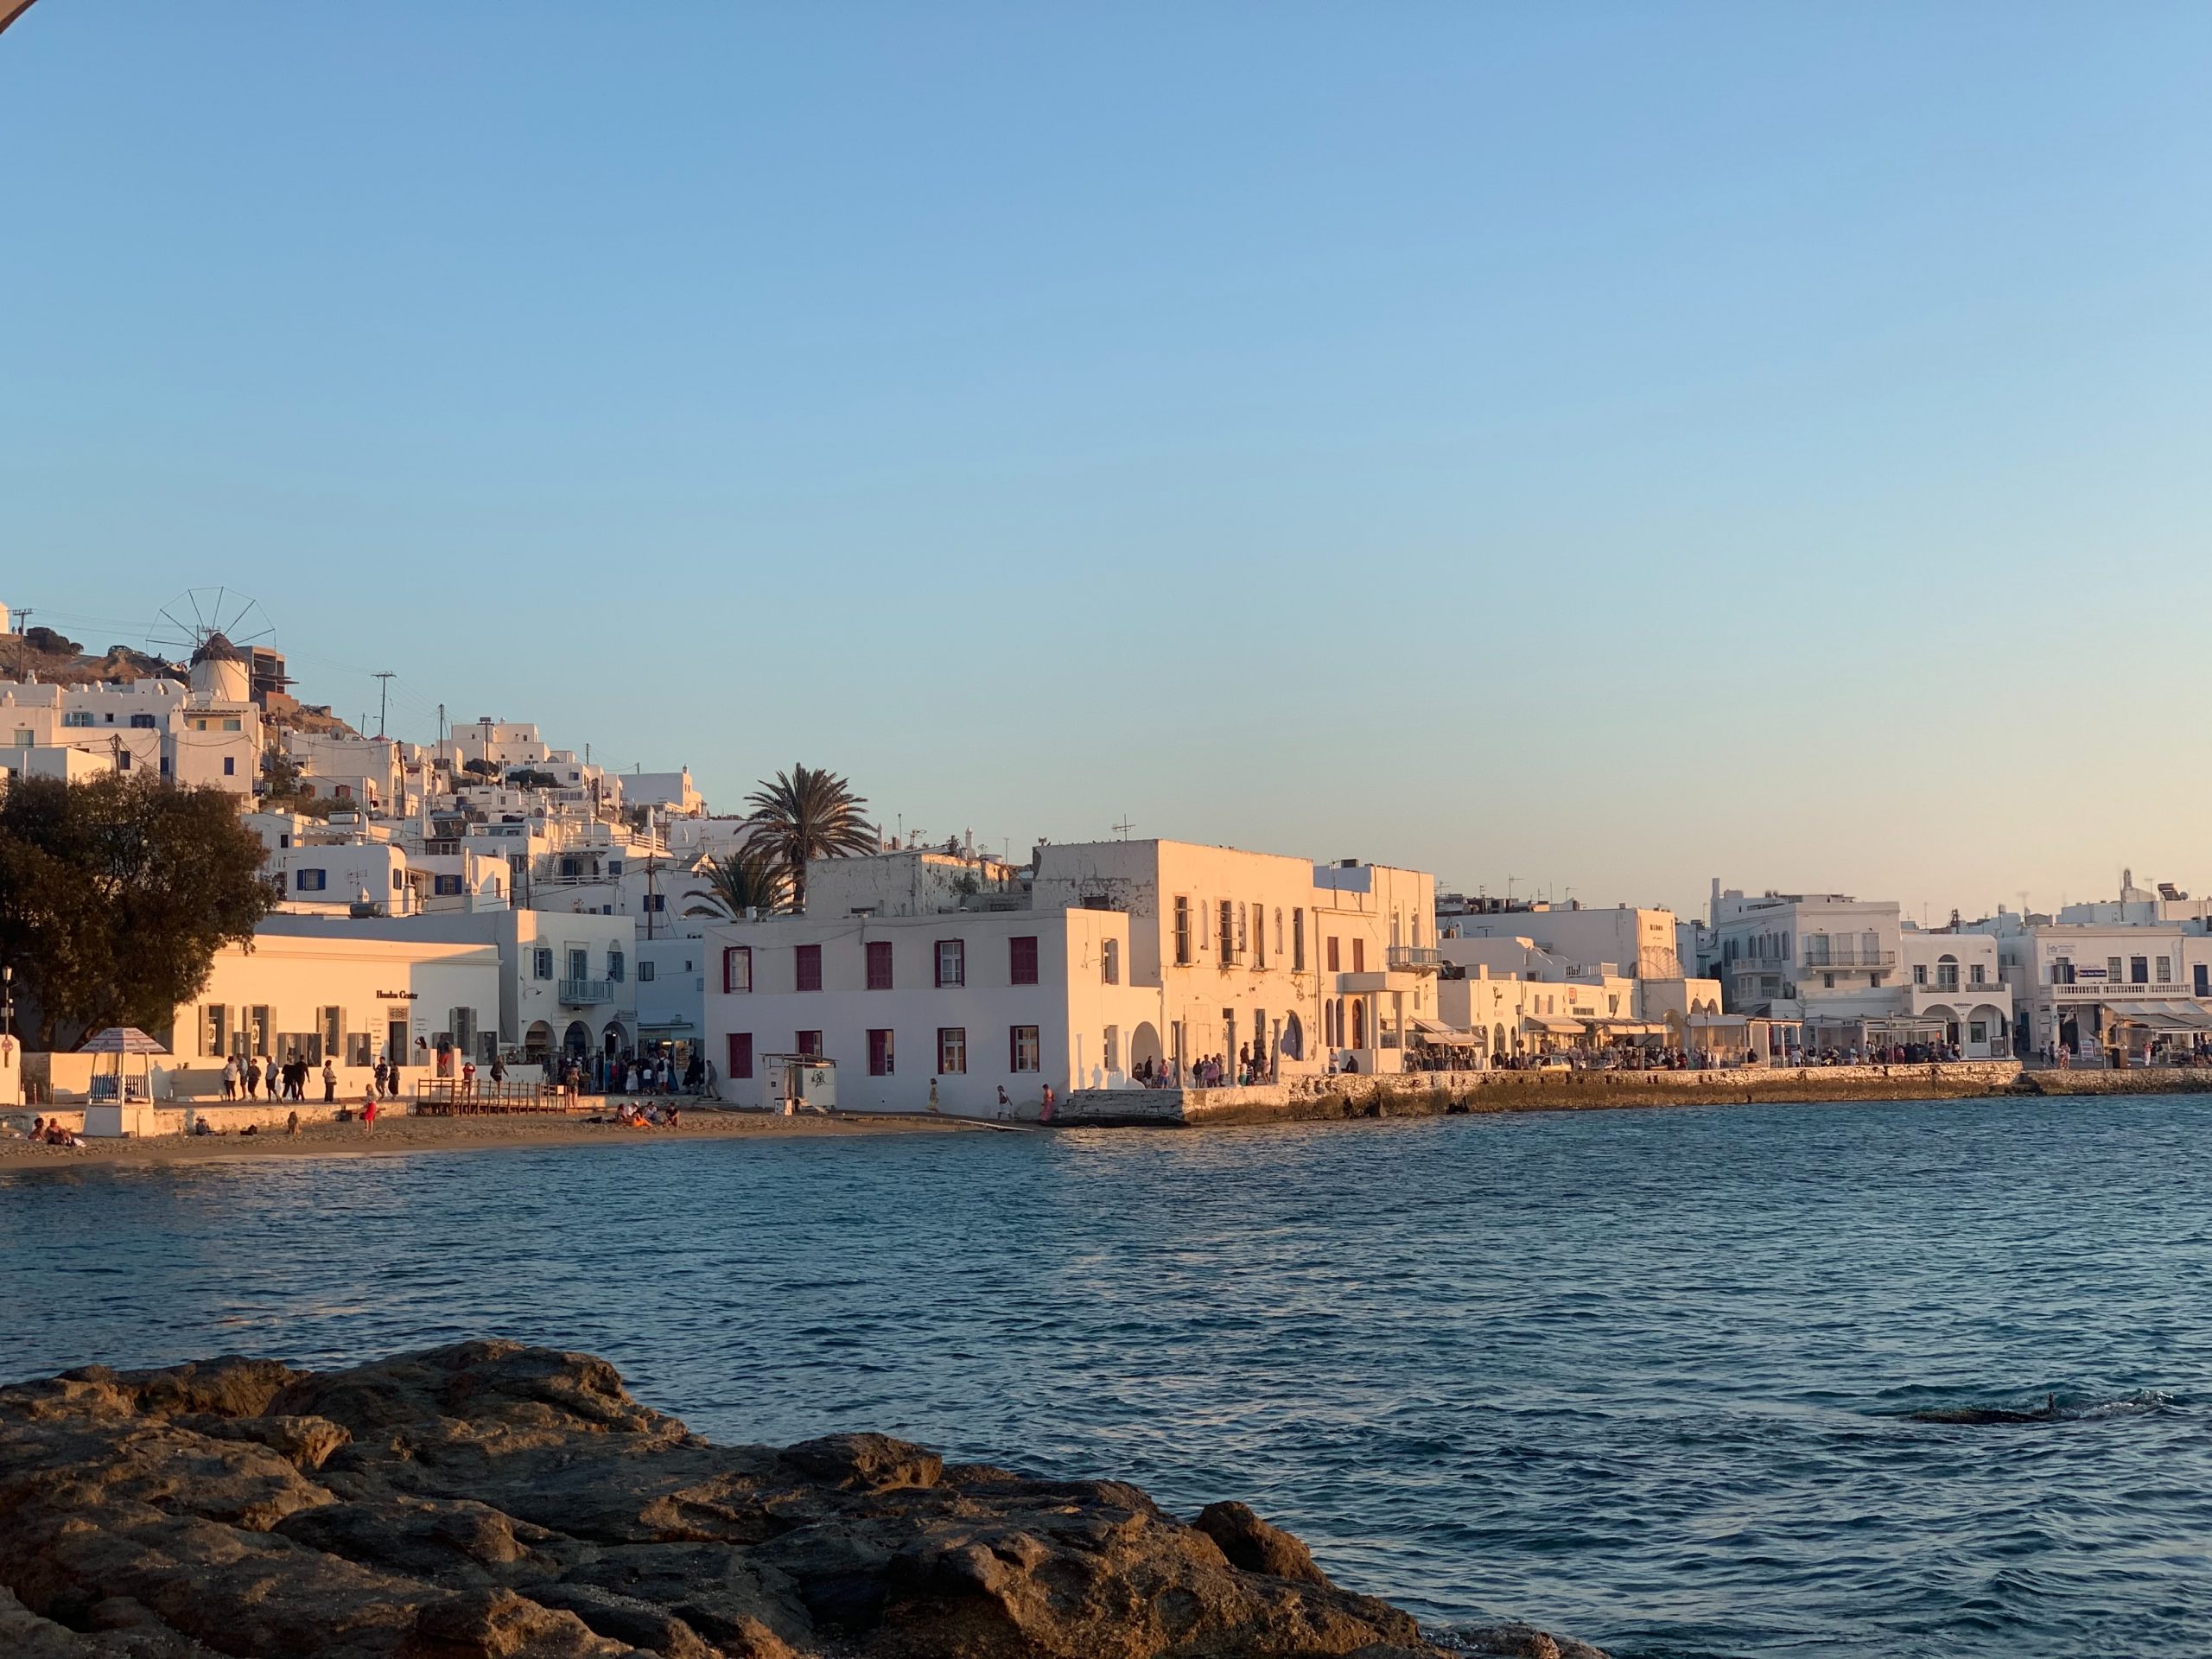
(384,699)
(441,725)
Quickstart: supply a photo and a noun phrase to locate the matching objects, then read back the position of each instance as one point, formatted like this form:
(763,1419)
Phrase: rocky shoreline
(494,1500)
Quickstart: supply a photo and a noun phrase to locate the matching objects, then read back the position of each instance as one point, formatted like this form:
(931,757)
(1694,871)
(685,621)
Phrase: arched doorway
(1293,1039)
(1360,1022)
(613,1039)
(537,1042)
(576,1040)
(1144,1045)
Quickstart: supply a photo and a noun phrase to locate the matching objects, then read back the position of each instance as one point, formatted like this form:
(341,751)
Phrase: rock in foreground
(490,1500)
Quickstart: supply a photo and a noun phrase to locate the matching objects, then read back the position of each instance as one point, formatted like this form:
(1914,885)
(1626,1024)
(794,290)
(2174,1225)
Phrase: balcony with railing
(1856,958)
(1414,959)
(584,993)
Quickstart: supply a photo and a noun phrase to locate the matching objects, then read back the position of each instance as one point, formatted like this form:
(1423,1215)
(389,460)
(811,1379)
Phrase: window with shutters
(740,1054)
(1021,1048)
(879,1056)
(542,962)
(1359,955)
(1224,930)
(1021,965)
(1333,958)
(737,968)
(809,967)
(952,1050)
(951,962)
(1182,931)
(1110,962)
(878,964)
(808,1043)
(1298,941)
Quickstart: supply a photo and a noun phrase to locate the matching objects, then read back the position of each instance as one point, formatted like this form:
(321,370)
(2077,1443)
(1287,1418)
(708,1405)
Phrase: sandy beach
(395,1135)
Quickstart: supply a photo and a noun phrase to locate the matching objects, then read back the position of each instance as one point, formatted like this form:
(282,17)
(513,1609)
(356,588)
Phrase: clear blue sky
(1608,445)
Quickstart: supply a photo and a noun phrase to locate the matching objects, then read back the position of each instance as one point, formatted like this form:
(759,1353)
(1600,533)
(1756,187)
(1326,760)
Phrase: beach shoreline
(395,1135)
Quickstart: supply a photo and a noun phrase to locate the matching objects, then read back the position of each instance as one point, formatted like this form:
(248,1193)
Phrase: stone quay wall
(1427,1094)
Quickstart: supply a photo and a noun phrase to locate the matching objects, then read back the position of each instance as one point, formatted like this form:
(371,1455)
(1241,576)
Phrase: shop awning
(2161,1016)
(1623,1027)
(1432,1031)
(1558,1025)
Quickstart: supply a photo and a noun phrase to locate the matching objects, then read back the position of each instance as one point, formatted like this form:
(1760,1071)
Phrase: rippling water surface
(1647,1377)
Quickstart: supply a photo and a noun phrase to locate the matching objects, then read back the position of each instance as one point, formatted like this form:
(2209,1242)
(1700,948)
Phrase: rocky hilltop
(490,1499)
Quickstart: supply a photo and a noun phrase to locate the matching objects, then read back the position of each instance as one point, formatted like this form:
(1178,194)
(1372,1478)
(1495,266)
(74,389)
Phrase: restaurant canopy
(1557,1023)
(1431,1031)
(2163,1016)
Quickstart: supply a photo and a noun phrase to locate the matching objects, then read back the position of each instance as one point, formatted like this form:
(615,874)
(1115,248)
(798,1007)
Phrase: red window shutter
(809,967)
(740,1054)
(1359,955)
(878,964)
(1023,961)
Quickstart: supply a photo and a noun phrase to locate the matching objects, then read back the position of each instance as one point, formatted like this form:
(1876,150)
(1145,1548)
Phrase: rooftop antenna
(383,678)
(1509,880)
(1123,828)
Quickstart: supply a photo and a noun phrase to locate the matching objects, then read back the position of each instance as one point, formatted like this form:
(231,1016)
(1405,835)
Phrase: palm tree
(805,813)
(746,879)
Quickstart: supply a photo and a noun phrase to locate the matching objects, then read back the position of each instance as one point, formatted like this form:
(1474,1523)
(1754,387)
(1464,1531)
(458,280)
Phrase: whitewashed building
(1856,977)
(205,730)
(1097,963)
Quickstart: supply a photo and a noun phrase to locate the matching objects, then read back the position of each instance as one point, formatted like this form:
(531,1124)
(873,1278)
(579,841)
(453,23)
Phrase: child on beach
(368,1112)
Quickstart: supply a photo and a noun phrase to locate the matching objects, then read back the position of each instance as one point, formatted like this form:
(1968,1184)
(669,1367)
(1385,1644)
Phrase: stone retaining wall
(1420,1094)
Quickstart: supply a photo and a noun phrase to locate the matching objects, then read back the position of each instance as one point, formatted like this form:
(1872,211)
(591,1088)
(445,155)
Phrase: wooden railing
(450,1097)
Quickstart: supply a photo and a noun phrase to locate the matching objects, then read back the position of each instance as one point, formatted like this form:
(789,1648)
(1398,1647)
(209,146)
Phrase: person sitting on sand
(291,1123)
(676,1118)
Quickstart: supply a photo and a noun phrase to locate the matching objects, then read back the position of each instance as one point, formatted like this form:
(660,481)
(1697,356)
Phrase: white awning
(1557,1023)
(2161,1016)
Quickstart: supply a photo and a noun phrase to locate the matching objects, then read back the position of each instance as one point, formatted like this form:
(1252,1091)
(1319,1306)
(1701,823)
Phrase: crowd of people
(245,1079)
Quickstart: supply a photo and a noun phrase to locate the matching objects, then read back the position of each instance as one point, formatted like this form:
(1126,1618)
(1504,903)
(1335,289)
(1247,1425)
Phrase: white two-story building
(1099,965)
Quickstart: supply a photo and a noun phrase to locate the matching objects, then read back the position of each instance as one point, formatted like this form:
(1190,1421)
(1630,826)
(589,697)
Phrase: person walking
(252,1077)
(329,1084)
(933,1096)
(231,1079)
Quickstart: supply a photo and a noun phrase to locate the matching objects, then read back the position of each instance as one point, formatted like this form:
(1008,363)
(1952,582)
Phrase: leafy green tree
(748,878)
(805,813)
(115,895)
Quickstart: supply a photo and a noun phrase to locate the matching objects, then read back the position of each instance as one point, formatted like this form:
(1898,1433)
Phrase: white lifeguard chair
(122,1097)
(799,1083)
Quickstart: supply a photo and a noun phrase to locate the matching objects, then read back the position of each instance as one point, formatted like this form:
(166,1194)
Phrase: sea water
(1664,1380)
